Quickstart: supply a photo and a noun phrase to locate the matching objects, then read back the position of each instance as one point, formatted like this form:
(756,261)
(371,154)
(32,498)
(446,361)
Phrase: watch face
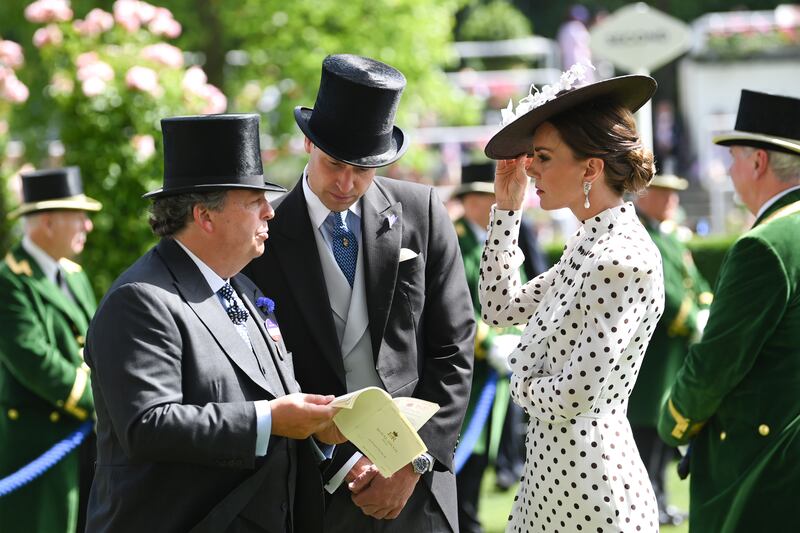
(420,464)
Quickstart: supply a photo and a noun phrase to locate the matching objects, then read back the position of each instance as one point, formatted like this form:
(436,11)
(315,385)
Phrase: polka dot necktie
(237,315)
(345,246)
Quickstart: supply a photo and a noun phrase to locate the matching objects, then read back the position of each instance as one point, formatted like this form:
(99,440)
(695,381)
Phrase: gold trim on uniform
(705,298)
(78,388)
(683,426)
(763,430)
(723,436)
(782,212)
(70,266)
(13,414)
(18,267)
(54,417)
(678,326)
(481,333)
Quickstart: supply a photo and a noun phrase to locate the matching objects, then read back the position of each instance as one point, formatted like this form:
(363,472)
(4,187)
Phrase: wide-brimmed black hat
(516,138)
(476,177)
(212,152)
(54,188)
(767,121)
(353,117)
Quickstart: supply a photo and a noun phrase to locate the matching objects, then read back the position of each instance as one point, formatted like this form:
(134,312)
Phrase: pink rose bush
(109,62)
(11,88)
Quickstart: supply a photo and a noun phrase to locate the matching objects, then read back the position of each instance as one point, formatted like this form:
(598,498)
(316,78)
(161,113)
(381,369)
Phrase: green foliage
(494,21)
(287,41)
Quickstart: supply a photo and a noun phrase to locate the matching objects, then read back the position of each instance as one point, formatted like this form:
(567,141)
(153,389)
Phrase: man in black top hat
(369,287)
(46,303)
(736,395)
(195,393)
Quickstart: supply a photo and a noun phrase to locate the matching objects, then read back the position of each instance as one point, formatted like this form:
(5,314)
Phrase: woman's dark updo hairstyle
(607,130)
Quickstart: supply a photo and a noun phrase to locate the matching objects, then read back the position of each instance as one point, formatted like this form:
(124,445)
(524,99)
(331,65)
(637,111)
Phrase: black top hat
(516,138)
(212,152)
(353,117)
(476,178)
(55,188)
(767,121)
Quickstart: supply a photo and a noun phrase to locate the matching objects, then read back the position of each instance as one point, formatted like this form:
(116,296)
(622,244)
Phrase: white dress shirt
(263,409)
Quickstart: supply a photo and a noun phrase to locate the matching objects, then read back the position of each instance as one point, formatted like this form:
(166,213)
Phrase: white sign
(638,38)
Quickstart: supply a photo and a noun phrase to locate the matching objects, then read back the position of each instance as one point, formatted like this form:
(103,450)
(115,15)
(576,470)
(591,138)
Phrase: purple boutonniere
(265,304)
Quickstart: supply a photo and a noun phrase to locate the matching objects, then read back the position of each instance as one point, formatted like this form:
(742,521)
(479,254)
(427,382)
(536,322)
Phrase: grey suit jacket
(174,386)
(420,313)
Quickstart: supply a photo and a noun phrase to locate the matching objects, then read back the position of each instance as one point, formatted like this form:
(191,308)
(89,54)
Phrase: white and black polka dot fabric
(589,319)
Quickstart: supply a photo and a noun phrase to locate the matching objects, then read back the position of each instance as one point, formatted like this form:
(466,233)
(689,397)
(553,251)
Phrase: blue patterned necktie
(237,315)
(345,245)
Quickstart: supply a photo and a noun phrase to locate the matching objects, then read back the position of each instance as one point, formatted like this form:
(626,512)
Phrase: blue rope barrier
(44,462)
(479,416)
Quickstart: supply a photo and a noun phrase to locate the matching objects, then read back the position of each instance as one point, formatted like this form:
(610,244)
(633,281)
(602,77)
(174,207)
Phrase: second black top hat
(212,152)
(353,117)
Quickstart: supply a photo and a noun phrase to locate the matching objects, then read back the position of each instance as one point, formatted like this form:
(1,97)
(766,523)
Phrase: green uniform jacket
(44,388)
(738,393)
(471,250)
(686,292)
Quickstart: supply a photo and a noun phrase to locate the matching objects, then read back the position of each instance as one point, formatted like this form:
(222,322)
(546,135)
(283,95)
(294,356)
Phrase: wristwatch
(422,463)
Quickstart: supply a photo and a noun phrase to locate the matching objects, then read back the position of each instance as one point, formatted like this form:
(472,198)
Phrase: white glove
(502,346)
(701,320)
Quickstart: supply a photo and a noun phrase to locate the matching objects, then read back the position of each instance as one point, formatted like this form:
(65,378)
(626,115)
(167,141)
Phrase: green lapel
(782,202)
(50,291)
(78,284)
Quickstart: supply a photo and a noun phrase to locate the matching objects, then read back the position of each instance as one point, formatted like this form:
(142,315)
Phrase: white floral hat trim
(535,98)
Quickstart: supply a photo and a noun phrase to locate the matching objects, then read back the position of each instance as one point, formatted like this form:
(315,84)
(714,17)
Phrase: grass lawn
(495,505)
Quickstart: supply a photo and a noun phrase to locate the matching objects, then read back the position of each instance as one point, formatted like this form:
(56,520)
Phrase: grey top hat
(353,117)
(54,188)
(212,152)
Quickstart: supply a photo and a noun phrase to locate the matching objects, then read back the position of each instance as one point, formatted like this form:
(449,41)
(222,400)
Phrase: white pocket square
(406,254)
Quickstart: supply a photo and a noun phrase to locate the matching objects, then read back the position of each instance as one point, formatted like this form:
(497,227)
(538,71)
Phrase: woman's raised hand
(510,183)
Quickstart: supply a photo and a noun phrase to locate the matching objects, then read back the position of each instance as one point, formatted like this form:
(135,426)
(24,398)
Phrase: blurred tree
(494,21)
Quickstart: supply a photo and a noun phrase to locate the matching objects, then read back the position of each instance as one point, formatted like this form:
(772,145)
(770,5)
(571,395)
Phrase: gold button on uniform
(763,430)
(723,436)
(13,414)
(54,416)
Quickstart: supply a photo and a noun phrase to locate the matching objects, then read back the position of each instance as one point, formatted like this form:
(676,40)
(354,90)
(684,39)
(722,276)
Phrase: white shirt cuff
(338,477)
(503,228)
(263,426)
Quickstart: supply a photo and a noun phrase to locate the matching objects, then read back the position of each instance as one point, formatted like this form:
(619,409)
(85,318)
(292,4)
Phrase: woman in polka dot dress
(589,318)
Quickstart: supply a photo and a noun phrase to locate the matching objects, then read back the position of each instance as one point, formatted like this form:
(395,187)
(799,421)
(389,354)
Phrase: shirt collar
(316,209)
(212,278)
(774,199)
(48,265)
(479,232)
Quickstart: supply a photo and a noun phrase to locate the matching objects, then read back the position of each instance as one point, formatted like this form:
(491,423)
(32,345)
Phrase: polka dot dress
(589,319)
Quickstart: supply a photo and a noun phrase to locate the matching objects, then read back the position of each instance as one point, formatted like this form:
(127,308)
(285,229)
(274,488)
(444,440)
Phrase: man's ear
(202,218)
(594,169)
(308,145)
(760,162)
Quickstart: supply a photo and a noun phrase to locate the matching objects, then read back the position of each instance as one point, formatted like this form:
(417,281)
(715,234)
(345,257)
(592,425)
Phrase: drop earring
(586,188)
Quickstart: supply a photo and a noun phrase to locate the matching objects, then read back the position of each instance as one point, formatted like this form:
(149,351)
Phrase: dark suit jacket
(420,314)
(174,387)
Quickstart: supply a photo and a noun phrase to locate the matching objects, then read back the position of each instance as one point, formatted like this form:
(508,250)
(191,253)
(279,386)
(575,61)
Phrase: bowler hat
(54,188)
(767,121)
(668,181)
(212,152)
(476,177)
(353,116)
(516,137)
